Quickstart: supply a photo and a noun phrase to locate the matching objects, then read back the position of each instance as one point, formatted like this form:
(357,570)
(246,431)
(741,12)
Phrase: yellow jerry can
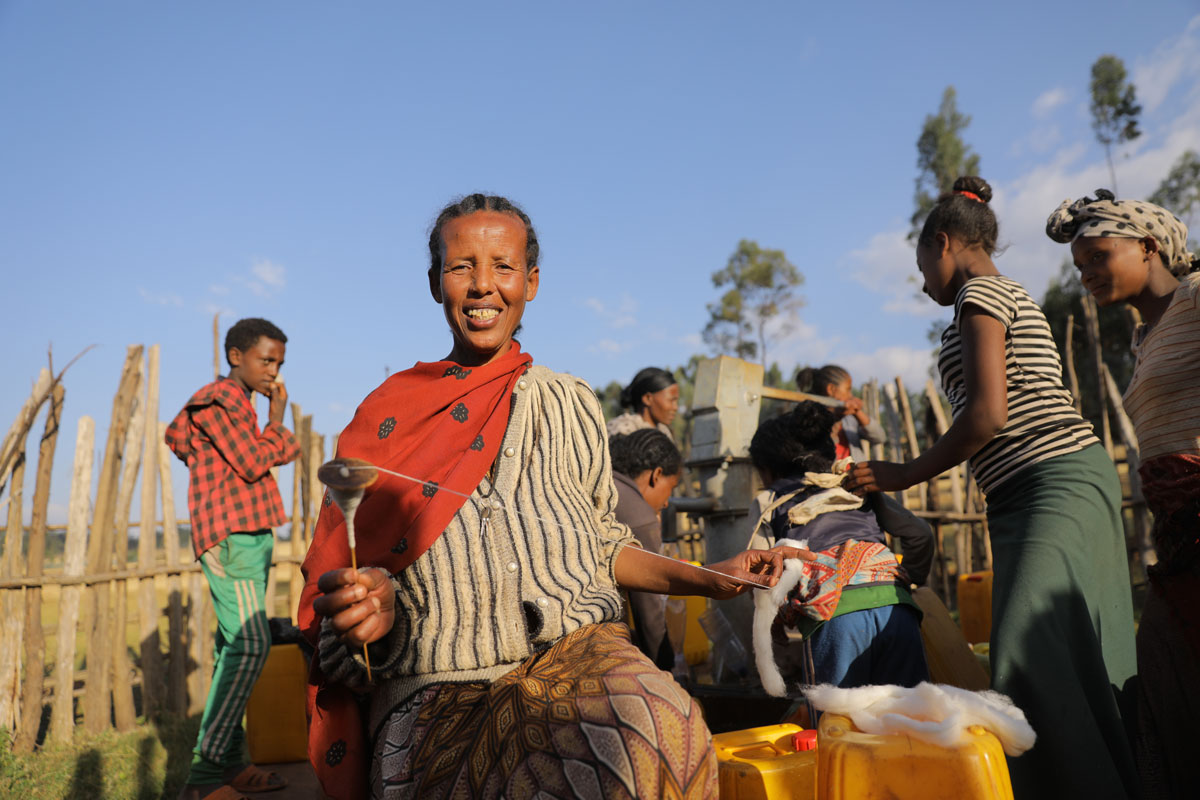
(862,766)
(975,606)
(276,727)
(774,762)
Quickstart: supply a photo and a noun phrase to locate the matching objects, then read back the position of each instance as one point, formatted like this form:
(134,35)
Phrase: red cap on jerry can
(804,740)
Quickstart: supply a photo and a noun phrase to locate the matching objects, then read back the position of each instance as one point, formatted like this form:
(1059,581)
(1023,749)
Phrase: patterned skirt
(591,717)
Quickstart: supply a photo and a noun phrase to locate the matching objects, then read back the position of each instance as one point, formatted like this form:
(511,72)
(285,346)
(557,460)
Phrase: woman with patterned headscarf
(1136,252)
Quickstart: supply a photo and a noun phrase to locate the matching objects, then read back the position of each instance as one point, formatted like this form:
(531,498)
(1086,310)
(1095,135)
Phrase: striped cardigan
(526,561)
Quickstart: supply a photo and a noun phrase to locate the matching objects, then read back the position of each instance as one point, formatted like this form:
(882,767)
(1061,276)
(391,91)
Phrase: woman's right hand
(360,605)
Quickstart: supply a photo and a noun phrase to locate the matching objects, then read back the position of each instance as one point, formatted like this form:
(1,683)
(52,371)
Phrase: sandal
(223,792)
(253,779)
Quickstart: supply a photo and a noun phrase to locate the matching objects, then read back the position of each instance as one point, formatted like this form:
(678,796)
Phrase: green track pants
(237,577)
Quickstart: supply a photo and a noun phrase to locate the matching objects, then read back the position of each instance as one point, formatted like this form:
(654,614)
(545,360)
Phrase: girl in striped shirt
(1062,615)
(1136,252)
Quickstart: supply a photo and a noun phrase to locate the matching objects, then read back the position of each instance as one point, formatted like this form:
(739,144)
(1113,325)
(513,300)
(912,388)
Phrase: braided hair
(644,450)
(796,442)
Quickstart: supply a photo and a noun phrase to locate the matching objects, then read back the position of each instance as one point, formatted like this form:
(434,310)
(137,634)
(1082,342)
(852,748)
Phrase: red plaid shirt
(231,488)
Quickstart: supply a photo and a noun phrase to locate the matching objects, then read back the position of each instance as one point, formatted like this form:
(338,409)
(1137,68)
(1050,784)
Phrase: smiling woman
(490,600)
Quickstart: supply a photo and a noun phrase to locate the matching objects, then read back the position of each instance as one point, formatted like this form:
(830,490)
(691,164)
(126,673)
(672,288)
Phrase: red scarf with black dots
(442,423)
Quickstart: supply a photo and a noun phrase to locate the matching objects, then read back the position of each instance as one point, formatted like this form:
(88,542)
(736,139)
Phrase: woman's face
(663,404)
(484,284)
(1112,269)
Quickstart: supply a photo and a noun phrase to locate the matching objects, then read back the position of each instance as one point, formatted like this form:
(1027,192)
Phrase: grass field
(146,764)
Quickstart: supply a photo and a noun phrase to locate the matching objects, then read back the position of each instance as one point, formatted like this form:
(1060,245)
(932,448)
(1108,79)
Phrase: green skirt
(1062,625)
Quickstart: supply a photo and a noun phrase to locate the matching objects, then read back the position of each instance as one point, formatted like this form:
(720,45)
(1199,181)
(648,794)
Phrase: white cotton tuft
(932,712)
(766,608)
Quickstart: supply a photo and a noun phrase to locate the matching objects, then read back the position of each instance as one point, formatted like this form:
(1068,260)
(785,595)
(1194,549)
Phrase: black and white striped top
(1042,421)
(527,560)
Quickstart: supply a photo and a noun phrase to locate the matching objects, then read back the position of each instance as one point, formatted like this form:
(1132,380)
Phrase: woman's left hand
(877,476)
(757,566)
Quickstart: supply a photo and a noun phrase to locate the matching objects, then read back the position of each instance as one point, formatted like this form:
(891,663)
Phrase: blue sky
(160,163)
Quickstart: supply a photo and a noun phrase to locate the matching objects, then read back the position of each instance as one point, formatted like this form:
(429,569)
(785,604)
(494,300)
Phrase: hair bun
(975,185)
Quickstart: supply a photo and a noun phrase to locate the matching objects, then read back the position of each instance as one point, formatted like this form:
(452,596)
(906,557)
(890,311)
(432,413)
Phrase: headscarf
(442,423)
(1128,219)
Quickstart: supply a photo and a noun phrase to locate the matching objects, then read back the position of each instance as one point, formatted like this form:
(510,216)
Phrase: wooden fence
(89,606)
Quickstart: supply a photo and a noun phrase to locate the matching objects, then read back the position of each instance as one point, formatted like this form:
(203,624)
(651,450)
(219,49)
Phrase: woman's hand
(757,566)
(877,476)
(361,606)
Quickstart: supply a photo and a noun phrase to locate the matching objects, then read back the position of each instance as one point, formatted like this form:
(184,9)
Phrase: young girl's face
(840,391)
(938,271)
(1113,269)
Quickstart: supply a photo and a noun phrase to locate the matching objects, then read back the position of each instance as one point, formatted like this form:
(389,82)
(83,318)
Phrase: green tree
(1114,108)
(762,288)
(1180,190)
(942,156)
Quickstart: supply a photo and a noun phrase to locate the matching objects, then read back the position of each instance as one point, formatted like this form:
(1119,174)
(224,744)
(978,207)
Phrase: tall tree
(1180,190)
(1114,108)
(942,156)
(762,288)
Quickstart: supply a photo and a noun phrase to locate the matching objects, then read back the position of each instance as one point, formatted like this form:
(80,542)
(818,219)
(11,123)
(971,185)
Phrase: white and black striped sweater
(1042,420)
(485,596)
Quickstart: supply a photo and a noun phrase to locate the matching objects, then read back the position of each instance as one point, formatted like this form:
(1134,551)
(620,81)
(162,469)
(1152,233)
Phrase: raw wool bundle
(933,713)
(766,608)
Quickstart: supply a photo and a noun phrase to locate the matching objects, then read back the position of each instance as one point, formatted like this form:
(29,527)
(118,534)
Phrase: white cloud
(218,289)
(160,299)
(609,347)
(1173,61)
(269,277)
(911,364)
(887,265)
(622,314)
(1047,101)
(806,345)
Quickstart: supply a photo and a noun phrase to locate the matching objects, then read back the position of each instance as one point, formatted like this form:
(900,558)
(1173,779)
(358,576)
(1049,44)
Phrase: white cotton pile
(766,608)
(931,712)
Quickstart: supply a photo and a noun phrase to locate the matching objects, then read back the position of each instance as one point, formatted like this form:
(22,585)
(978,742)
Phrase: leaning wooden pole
(35,643)
(124,714)
(62,718)
(96,703)
(12,615)
(1142,522)
(177,643)
(149,610)
(1069,363)
(1092,321)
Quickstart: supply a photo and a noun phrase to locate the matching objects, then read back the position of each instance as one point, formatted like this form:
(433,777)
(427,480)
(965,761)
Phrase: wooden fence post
(148,608)
(177,664)
(1142,523)
(11,605)
(295,578)
(1069,363)
(1092,320)
(96,702)
(62,721)
(197,627)
(31,696)
(962,548)
(124,715)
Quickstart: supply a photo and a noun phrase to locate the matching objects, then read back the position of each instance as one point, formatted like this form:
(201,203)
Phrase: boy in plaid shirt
(234,503)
